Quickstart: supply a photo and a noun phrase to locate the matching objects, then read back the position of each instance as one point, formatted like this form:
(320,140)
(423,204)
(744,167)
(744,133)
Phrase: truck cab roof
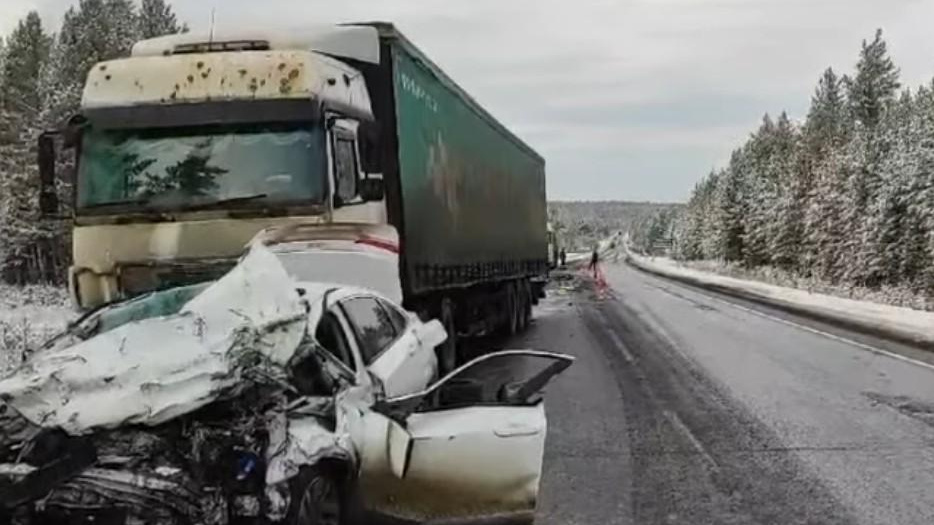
(243,65)
(354,42)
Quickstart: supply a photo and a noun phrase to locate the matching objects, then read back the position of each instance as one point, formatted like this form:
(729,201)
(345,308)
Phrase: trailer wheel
(526,301)
(511,326)
(447,351)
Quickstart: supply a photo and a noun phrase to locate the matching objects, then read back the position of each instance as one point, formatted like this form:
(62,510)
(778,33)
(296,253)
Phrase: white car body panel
(475,461)
(151,371)
(343,262)
(464,462)
(409,365)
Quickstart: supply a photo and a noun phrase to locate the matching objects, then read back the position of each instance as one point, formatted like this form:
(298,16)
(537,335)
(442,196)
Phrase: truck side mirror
(368,136)
(371,189)
(48,197)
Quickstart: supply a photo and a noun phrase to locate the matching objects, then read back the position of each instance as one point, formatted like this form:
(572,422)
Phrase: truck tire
(525,317)
(318,498)
(511,308)
(447,351)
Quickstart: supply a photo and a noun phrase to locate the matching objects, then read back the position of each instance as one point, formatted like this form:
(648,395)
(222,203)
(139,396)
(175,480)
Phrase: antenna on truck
(211,37)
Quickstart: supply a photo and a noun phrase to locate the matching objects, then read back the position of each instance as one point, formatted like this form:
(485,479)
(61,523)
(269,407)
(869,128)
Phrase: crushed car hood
(150,371)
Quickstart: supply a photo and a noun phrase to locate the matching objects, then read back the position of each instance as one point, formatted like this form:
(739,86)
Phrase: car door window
(507,378)
(330,334)
(398,319)
(372,326)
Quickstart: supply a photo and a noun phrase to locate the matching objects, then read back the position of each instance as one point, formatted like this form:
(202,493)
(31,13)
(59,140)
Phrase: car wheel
(316,498)
(447,351)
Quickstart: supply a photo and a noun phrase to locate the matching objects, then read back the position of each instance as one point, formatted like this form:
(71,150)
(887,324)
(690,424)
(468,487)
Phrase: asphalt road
(687,407)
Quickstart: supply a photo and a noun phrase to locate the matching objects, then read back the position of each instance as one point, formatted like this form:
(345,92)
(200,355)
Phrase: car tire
(447,351)
(318,497)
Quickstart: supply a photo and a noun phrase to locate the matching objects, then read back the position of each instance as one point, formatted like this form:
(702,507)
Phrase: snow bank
(902,324)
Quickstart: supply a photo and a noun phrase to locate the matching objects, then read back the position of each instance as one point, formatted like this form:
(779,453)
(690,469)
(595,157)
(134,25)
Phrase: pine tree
(156,18)
(918,269)
(886,223)
(822,136)
(28,253)
(762,191)
(27,50)
(729,210)
(97,30)
(785,231)
(875,84)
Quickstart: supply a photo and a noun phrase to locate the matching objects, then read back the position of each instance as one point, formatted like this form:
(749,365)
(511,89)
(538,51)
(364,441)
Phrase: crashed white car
(255,399)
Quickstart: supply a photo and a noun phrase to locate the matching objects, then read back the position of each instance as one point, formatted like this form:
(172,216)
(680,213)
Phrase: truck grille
(139,279)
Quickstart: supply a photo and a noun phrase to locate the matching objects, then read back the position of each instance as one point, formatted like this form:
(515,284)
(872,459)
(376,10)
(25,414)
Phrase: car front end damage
(188,418)
(229,462)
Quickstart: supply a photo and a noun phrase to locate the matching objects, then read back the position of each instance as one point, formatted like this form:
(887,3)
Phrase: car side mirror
(48,197)
(432,333)
(371,189)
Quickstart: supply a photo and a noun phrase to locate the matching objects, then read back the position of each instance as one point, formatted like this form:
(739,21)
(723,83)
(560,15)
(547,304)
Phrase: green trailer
(466,195)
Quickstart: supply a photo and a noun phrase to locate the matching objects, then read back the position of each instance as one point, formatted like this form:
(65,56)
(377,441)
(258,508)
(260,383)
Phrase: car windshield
(187,168)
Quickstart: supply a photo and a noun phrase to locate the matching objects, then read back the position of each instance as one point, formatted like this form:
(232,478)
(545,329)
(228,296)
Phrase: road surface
(686,407)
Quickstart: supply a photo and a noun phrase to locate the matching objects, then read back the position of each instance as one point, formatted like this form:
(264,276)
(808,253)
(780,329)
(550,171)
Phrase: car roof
(315,291)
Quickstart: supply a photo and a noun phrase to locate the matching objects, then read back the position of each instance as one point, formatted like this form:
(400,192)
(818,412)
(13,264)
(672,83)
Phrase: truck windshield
(192,168)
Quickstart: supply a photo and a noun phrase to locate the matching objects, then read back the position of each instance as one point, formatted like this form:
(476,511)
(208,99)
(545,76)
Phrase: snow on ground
(29,315)
(892,295)
(906,323)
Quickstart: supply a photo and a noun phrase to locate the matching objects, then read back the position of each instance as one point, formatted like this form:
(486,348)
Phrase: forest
(845,197)
(42,71)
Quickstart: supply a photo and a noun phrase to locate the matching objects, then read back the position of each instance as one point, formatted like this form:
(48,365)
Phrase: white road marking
(684,430)
(619,344)
(616,339)
(828,335)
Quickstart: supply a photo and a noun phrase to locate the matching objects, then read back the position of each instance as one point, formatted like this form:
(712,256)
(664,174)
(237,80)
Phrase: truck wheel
(525,318)
(447,351)
(317,498)
(512,309)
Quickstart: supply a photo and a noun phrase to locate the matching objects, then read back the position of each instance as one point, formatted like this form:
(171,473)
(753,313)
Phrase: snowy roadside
(894,322)
(29,315)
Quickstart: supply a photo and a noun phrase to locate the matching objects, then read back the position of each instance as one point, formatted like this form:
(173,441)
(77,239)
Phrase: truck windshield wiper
(130,202)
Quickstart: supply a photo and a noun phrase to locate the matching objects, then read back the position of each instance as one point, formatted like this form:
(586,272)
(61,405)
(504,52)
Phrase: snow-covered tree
(97,30)
(27,49)
(847,197)
(875,84)
(156,18)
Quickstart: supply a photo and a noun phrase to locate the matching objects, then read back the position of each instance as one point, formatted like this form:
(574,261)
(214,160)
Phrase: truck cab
(188,148)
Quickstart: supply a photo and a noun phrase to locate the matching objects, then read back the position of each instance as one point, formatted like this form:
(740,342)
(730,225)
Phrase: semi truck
(196,145)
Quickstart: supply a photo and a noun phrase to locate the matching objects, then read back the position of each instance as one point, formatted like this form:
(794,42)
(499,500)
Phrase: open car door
(471,445)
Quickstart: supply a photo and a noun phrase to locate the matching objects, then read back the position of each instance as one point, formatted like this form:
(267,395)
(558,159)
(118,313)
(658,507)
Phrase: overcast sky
(626,99)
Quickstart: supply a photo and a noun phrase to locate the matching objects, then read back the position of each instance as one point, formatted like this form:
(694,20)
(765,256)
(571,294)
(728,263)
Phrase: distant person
(563,257)
(594,261)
